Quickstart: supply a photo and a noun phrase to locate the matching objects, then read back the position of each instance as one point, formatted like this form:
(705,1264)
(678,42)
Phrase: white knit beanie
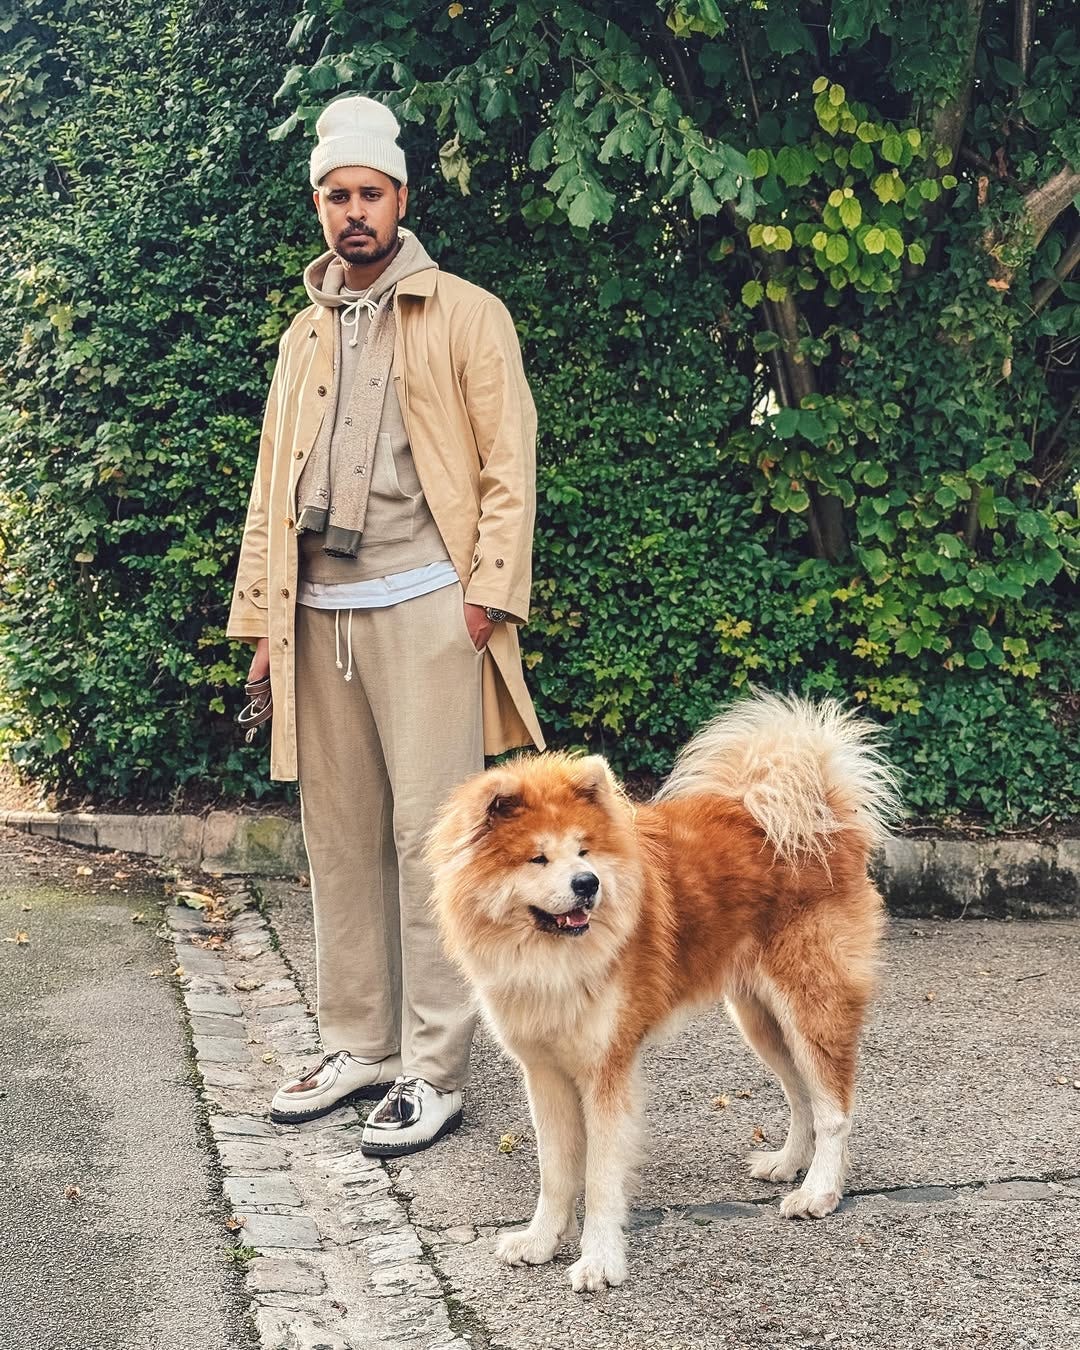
(357,132)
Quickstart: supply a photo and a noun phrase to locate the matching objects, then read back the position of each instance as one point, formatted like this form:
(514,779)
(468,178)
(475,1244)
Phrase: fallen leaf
(508,1143)
(154,974)
(759,1136)
(20,939)
(72,1193)
(213,943)
(246,986)
(455,11)
(998,284)
(179,972)
(194,899)
(27,908)
(745,1094)
(84,871)
(269,1058)
(235,1223)
(931,996)
(720,1102)
(140,917)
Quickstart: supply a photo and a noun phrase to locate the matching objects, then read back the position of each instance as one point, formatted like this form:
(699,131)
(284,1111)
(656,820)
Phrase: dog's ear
(502,806)
(593,779)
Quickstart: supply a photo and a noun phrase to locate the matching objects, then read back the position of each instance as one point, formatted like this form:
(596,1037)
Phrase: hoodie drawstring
(337,641)
(350,315)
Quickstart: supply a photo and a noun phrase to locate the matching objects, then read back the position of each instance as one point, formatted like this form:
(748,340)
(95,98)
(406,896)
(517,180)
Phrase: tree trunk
(826,514)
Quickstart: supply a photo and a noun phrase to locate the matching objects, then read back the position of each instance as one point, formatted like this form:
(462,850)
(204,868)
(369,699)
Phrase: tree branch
(1068,261)
(1044,204)
(1023,28)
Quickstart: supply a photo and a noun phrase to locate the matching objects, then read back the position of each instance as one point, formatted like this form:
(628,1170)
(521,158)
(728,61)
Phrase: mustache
(354,230)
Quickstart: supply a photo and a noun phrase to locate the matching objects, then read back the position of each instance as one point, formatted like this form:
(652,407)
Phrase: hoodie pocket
(395,495)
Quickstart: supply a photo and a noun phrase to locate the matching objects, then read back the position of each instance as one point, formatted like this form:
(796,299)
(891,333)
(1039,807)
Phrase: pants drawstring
(337,641)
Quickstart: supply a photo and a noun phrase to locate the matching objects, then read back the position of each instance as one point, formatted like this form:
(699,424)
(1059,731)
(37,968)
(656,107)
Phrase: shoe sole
(372,1093)
(380,1150)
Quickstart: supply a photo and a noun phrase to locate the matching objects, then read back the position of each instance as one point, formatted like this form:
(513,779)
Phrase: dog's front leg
(560,1135)
(612,1131)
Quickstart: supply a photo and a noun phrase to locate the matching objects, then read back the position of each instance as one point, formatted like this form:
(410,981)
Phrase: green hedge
(159,241)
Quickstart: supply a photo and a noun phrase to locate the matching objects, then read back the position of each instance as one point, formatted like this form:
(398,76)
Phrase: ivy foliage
(794,288)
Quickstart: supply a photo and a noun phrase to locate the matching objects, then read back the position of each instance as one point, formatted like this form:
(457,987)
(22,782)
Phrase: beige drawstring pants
(378,754)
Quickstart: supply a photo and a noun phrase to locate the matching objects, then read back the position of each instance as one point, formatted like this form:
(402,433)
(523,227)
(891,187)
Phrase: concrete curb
(978,879)
(331,1259)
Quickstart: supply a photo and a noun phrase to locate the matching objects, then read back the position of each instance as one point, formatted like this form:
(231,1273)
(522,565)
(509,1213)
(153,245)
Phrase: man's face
(359,210)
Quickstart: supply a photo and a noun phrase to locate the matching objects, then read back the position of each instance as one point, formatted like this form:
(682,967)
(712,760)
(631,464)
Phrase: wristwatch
(496,615)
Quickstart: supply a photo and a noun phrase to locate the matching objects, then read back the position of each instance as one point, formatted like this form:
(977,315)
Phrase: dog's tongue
(576,918)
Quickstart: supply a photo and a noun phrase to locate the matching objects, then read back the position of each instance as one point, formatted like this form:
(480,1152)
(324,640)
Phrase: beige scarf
(332,494)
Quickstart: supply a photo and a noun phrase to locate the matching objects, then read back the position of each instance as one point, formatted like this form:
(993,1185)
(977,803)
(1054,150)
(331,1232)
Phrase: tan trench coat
(472,428)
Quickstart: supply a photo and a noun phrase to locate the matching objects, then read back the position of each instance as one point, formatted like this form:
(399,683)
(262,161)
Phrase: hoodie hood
(325,277)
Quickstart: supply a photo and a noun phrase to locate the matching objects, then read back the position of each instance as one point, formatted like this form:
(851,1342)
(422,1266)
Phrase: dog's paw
(807,1204)
(527,1247)
(591,1273)
(779,1166)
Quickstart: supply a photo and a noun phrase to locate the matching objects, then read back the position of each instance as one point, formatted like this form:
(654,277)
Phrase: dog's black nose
(585,885)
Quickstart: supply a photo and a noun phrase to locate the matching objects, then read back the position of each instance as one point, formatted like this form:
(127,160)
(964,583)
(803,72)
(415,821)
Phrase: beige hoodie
(399,530)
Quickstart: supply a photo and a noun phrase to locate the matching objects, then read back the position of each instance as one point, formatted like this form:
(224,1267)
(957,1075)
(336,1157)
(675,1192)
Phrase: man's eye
(540,860)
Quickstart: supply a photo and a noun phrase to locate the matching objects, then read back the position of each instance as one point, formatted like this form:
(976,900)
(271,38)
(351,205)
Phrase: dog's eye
(540,860)
(583,852)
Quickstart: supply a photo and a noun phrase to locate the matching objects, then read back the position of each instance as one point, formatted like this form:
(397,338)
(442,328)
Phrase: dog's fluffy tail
(804,771)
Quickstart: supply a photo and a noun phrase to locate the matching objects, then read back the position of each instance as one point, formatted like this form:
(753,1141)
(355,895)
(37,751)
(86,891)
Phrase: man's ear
(402,202)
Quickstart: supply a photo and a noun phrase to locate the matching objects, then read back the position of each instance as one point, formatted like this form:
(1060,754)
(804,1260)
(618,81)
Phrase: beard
(360,256)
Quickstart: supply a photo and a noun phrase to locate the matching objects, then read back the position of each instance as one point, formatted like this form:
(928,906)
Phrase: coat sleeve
(248,612)
(503,417)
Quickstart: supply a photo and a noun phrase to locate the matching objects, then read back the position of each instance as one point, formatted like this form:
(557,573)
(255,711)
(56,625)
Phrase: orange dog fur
(586,924)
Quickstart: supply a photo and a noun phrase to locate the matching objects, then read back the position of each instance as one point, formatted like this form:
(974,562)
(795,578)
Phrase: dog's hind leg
(613,1133)
(821,1023)
(560,1136)
(762,1031)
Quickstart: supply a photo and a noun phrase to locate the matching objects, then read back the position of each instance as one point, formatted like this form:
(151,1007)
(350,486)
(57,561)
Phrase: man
(385,564)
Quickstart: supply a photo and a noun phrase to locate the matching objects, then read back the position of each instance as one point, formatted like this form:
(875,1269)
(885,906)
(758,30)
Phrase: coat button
(284,642)
(239,595)
(288,524)
(498,562)
(255,592)
(321,391)
(285,592)
(299,454)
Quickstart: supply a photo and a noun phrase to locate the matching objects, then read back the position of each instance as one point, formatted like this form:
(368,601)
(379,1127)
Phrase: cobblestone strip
(333,1262)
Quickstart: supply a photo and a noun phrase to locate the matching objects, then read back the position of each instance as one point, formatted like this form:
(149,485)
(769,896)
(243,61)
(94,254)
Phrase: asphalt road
(111,1221)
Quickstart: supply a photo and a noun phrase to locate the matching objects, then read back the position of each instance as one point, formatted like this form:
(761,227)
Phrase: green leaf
(916,253)
(892,148)
(850,213)
(894,242)
(836,250)
(540,151)
(786,423)
(874,241)
(837,95)
(753,293)
(981,639)
(611,292)
(759,162)
(702,201)
(776,290)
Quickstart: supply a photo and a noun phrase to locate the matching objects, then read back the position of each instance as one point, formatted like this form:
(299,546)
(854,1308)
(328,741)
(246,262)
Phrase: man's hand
(260,662)
(479,625)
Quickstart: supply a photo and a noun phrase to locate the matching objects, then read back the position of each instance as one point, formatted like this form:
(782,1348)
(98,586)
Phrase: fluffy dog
(586,924)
